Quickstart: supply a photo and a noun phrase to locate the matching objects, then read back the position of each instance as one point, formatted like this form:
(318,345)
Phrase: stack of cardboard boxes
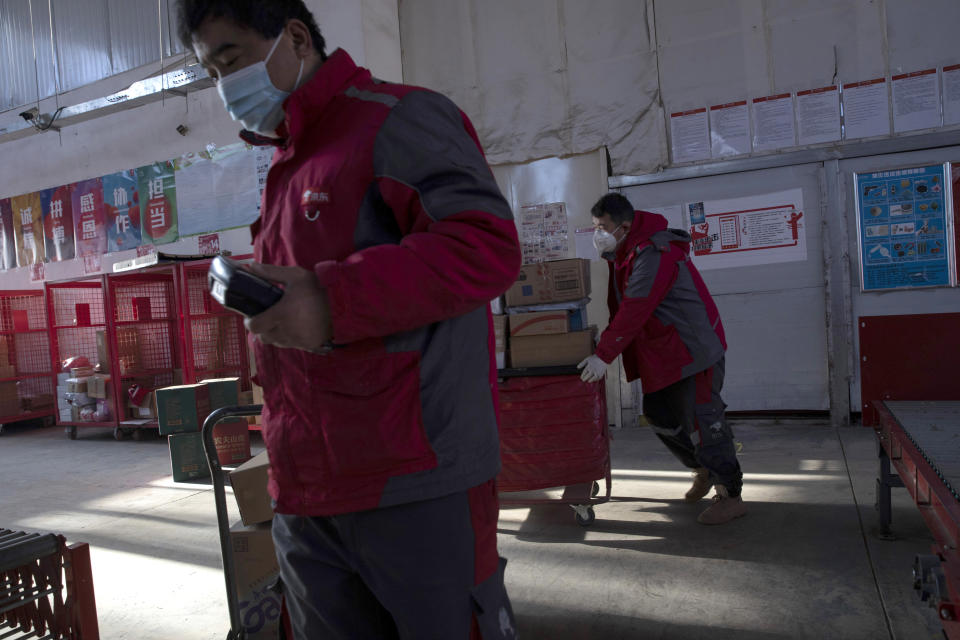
(181,411)
(545,323)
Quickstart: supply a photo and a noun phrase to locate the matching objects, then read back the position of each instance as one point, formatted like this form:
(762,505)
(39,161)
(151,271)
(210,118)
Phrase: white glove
(593,369)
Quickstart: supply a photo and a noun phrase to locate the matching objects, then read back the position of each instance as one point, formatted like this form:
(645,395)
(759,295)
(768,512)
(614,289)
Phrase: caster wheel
(120,434)
(71,432)
(595,491)
(588,519)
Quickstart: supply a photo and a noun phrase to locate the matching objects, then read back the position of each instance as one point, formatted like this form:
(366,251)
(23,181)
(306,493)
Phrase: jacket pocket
(369,415)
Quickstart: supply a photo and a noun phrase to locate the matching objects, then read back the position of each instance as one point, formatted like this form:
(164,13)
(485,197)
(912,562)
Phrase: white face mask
(252,99)
(605,242)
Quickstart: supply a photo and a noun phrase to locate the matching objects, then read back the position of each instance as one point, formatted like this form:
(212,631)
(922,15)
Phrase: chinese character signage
(158,197)
(88,213)
(121,210)
(57,205)
(905,228)
(8,256)
(28,229)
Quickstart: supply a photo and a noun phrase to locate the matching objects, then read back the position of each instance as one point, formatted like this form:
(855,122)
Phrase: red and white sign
(209,245)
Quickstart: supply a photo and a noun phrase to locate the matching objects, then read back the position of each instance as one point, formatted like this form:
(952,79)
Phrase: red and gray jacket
(383,191)
(662,318)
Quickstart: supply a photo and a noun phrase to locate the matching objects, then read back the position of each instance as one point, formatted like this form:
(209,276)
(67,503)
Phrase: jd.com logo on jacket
(311,201)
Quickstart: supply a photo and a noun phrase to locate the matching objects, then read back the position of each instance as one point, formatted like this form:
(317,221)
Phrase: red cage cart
(26,376)
(553,433)
(214,339)
(144,341)
(76,313)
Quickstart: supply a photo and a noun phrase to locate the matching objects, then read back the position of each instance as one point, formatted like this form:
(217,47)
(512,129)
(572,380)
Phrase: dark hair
(616,206)
(266,17)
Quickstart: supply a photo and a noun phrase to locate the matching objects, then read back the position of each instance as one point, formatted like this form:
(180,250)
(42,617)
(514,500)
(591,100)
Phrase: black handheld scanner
(238,289)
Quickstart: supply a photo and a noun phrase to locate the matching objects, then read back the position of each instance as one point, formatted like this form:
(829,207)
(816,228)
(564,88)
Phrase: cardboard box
(223,392)
(555,281)
(182,408)
(78,385)
(245,398)
(539,323)
(551,350)
(97,386)
(187,460)
(147,410)
(249,482)
(257,392)
(255,563)
(232,440)
(500,333)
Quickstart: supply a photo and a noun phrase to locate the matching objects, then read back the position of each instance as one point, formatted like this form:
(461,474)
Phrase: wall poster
(905,228)
(544,232)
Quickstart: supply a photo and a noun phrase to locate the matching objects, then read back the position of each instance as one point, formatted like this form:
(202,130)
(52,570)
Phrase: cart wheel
(71,432)
(588,519)
(139,434)
(595,491)
(120,434)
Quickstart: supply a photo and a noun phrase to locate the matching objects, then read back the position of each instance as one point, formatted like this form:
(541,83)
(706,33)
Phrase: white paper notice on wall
(866,109)
(951,94)
(583,241)
(916,101)
(689,135)
(729,129)
(748,231)
(544,232)
(773,122)
(818,115)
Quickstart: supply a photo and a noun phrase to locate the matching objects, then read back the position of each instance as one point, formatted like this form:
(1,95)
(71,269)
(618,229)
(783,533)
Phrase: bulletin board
(905,228)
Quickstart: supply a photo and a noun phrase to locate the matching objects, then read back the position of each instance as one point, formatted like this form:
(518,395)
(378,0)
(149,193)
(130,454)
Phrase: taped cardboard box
(551,350)
(187,459)
(554,281)
(249,482)
(223,392)
(232,440)
(255,564)
(539,323)
(182,408)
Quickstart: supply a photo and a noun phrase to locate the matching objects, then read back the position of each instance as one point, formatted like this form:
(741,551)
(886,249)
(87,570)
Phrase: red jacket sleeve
(652,274)
(459,246)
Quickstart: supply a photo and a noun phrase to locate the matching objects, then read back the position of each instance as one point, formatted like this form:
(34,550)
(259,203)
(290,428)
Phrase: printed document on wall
(818,115)
(544,232)
(773,122)
(866,109)
(951,95)
(689,136)
(753,230)
(916,101)
(729,129)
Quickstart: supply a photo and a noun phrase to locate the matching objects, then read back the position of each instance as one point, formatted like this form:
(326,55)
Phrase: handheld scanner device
(239,290)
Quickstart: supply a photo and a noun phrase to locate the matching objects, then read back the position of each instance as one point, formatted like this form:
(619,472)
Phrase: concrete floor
(804,562)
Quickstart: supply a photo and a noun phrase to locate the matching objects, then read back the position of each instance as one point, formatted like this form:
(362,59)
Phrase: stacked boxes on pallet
(546,315)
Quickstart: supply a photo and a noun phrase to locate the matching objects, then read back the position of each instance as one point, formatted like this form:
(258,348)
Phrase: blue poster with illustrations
(905,224)
(121,201)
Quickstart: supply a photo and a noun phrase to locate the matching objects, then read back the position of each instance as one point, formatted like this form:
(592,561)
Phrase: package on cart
(249,482)
(187,460)
(551,350)
(232,440)
(553,281)
(182,408)
(97,386)
(255,564)
(538,323)
(576,312)
(223,392)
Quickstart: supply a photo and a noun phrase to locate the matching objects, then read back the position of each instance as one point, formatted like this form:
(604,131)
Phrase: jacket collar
(306,103)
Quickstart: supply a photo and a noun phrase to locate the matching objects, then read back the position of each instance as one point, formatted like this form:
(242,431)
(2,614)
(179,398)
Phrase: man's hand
(301,318)
(594,369)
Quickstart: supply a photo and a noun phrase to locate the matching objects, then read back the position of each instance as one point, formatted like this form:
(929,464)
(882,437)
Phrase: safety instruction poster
(121,205)
(905,227)
(752,230)
(544,232)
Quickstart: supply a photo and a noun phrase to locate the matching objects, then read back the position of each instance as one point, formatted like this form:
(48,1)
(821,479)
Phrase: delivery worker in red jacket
(382,222)
(665,324)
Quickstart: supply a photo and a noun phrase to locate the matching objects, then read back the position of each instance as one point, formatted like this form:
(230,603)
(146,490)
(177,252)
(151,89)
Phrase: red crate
(26,374)
(215,342)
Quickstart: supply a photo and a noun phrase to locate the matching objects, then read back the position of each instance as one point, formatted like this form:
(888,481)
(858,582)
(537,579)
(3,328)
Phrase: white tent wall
(369,30)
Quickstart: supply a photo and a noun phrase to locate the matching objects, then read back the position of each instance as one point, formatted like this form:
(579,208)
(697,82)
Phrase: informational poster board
(89,218)
(121,205)
(905,227)
(28,229)
(58,227)
(158,203)
(748,231)
(544,232)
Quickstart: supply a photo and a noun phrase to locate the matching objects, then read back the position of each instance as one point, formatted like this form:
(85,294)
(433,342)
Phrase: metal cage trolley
(26,374)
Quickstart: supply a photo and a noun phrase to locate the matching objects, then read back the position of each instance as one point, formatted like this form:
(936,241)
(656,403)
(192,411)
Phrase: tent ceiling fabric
(543,78)
(92,40)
